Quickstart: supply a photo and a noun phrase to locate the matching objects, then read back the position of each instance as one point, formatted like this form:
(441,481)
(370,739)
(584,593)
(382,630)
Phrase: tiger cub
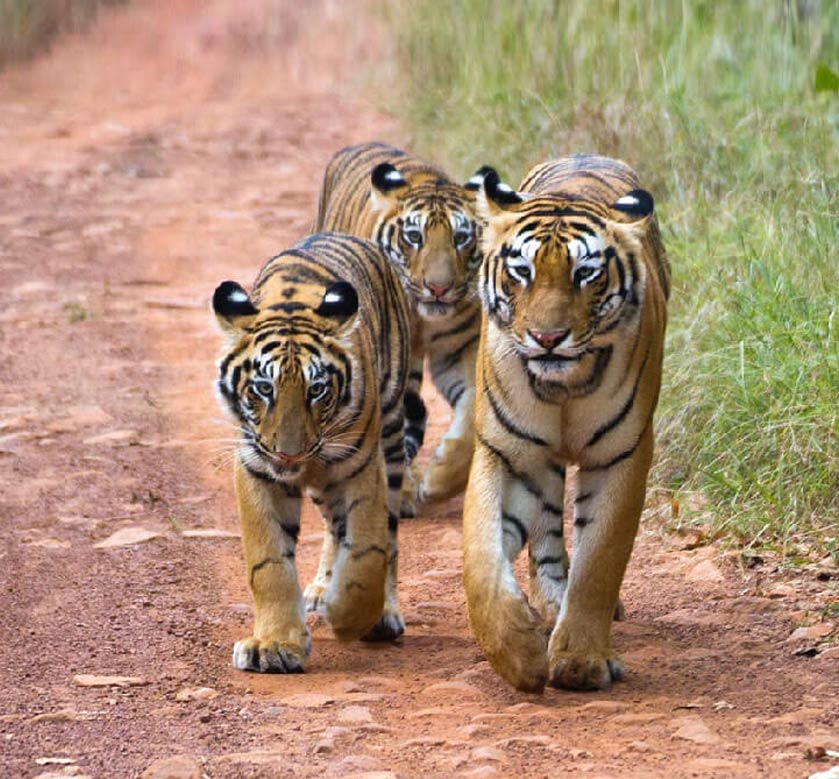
(426,226)
(314,374)
(574,290)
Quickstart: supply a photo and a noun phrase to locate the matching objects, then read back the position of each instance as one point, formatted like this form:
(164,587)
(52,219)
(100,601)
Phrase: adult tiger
(426,226)
(574,289)
(314,375)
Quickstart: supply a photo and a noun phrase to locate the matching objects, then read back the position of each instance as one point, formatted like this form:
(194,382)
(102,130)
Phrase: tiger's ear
(233,307)
(339,303)
(386,184)
(495,198)
(634,206)
(477,178)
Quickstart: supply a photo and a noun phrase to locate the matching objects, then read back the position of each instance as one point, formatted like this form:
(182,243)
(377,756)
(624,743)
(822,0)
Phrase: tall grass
(26,26)
(713,103)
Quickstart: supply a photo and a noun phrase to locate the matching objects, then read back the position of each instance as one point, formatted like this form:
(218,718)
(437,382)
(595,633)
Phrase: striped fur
(426,225)
(574,288)
(314,374)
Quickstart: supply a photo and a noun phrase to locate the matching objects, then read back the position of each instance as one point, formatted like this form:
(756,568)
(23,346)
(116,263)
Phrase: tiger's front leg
(580,651)
(270,519)
(358,518)
(448,470)
(497,515)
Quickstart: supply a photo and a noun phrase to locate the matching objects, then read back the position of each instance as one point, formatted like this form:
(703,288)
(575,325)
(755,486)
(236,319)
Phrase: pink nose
(288,459)
(438,290)
(548,340)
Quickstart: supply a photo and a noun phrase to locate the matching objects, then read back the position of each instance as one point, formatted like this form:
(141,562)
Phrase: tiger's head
(286,374)
(426,226)
(560,277)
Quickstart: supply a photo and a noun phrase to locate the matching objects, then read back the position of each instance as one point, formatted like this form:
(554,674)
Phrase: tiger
(313,374)
(426,225)
(574,289)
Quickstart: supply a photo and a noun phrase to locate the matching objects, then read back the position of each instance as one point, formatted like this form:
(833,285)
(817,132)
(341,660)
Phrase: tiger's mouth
(436,309)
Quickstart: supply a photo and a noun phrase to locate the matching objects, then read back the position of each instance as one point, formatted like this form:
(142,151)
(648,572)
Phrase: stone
(355,715)
(705,571)
(704,764)
(604,707)
(811,632)
(472,731)
(181,767)
(480,772)
(488,753)
(127,536)
(694,729)
(79,417)
(63,715)
(308,700)
(639,718)
(114,438)
(453,687)
(209,532)
(535,740)
(89,680)
(196,694)
(832,653)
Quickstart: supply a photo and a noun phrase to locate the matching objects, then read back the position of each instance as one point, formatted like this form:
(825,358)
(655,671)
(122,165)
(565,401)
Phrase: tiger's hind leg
(270,519)
(414,432)
(315,590)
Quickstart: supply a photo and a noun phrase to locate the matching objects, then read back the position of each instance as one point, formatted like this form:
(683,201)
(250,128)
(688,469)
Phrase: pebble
(706,571)
(355,715)
(196,694)
(308,700)
(488,753)
(535,740)
(356,763)
(114,438)
(63,715)
(173,768)
(829,654)
(89,680)
(641,718)
(453,687)
(604,707)
(471,731)
(811,632)
(480,772)
(209,532)
(127,536)
(694,729)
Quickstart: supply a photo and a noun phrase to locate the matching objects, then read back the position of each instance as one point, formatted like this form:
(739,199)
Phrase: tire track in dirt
(182,144)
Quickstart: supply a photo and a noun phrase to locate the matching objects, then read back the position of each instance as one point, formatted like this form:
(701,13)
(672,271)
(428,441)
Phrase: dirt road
(176,145)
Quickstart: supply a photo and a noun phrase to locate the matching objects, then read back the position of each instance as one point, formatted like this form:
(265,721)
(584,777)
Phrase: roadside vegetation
(720,109)
(27,26)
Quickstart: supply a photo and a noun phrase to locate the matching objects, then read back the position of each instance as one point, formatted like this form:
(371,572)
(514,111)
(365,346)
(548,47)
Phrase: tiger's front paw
(388,628)
(269,656)
(581,667)
(313,597)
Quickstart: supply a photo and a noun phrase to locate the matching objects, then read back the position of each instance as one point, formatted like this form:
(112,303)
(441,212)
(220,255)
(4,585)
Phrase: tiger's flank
(426,225)
(574,290)
(313,376)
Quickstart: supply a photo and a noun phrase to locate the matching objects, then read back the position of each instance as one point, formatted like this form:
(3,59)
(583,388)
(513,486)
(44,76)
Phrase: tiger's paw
(269,656)
(585,672)
(446,475)
(352,617)
(408,508)
(388,628)
(313,597)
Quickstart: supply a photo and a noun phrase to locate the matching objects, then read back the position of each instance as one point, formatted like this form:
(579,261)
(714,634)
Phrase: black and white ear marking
(637,204)
(386,178)
(339,301)
(499,192)
(477,178)
(230,300)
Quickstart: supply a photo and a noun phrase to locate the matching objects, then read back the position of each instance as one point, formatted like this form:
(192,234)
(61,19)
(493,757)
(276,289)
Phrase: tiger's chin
(568,375)
(435,310)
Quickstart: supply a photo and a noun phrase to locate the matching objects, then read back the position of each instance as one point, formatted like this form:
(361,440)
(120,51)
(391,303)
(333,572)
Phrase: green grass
(714,104)
(27,26)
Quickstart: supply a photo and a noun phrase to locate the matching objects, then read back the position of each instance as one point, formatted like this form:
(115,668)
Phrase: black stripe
(551,509)
(394,481)
(620,457)
(292,531)
(508,424)
(366,551)
(517,524)
(465,325)
(583,497)
(582,521)
(451,359)
(621,415)
(526,482)
(542,561)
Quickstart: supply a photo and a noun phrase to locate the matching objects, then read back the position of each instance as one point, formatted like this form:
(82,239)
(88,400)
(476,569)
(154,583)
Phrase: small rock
(127,536)
(308,700)
(704,764)
(63,715)
(528,741)
(706,571)
(811,632)
(423,741)
(471,731)
(88,680)
(181,767)
(480,772)
(781,590)
(209,532)
(488,753)
(355,715)
(196,694)
(356,763)
(114,438)
(640,718)
(831,653)
(694,729)
(831,773)
(604,707)
(453,688)
(54,761)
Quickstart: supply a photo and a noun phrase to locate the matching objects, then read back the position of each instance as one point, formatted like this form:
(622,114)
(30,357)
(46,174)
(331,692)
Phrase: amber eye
(318,390)
(461,238)
(520,271)
(413,236)
(585,274)
(263,388)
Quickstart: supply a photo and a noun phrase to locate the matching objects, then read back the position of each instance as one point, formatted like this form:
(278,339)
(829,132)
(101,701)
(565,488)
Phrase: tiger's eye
(263,388)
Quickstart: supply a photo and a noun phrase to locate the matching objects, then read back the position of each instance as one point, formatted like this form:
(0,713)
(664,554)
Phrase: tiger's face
(285,376)
(427,227)
(560,277)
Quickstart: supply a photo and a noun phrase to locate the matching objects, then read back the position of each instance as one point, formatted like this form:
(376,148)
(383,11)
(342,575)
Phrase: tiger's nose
(548,340)
(438,290)
(288,459)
